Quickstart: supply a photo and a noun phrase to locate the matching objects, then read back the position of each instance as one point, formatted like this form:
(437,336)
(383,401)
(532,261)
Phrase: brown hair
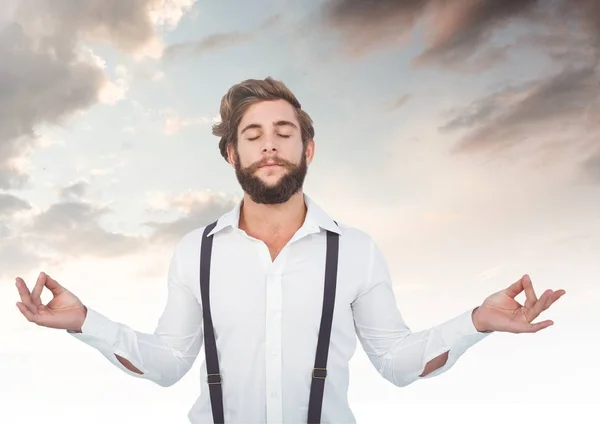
(241,96)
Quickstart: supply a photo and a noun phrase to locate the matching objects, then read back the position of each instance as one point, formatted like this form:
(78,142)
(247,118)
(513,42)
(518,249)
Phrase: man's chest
(251,294)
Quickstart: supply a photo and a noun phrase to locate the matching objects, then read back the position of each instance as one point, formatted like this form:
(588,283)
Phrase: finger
(36,293)
(554,297)
(532,327)
(535,327)
(25,295)
(531,298)
(543,304)
(26,311)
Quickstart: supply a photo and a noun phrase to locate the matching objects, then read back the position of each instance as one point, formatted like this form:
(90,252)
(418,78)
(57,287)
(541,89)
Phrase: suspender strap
(319,372)
(210,345)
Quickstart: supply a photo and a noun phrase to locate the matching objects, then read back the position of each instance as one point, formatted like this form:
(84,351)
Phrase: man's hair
(241,96)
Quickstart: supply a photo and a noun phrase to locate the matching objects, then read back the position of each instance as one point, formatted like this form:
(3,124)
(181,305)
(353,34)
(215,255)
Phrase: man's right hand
(65,311)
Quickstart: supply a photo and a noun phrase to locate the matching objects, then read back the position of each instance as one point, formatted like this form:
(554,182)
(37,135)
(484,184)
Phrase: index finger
(53,285)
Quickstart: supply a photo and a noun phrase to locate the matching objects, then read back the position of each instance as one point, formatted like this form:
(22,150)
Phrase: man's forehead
(270,110)
(269,114)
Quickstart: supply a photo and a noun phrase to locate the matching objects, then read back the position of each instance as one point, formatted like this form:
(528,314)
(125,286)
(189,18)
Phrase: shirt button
(273,394)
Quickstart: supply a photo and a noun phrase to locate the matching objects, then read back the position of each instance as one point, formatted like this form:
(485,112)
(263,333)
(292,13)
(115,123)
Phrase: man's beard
(259,192)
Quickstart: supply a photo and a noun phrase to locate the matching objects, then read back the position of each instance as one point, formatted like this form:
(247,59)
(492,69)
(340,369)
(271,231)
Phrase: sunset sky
(462,136)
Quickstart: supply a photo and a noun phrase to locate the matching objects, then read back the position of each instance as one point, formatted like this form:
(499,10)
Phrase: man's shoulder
(191,240)
(355,235)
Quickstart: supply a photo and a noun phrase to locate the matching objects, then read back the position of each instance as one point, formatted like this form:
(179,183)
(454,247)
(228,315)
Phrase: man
(281,271)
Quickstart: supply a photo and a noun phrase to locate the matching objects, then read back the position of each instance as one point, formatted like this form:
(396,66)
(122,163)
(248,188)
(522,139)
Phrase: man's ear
(310,151)
(231,156)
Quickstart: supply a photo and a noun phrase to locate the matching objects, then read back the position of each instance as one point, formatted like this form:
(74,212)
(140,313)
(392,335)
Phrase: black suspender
(319,372)
(210,345)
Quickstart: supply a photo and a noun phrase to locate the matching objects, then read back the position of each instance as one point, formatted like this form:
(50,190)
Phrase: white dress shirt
(266,316)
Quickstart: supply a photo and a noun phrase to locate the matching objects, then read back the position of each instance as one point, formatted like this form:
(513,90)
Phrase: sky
(462,136)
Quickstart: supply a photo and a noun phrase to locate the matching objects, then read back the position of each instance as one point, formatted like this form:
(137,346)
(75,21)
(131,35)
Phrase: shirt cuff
(97,327)
(461,331)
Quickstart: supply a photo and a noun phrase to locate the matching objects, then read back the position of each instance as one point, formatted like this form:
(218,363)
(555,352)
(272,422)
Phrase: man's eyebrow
(283,123)
(250,126)
(280,123)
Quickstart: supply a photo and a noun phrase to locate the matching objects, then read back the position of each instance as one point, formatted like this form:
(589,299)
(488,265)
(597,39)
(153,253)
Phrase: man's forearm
(128,365)
(435,364)
(441,360)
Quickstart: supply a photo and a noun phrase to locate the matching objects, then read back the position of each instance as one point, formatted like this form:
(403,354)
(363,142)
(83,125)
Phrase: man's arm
(400,355)
(168,353)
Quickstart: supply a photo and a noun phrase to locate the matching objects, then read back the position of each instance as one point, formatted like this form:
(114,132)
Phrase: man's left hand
(501,312)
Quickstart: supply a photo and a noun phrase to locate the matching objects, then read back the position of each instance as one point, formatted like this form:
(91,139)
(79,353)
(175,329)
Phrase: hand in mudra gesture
(501,312)
(65,311)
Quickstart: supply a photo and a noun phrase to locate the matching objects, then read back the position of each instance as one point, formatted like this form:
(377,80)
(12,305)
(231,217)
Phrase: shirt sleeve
(397,353)
(168,353)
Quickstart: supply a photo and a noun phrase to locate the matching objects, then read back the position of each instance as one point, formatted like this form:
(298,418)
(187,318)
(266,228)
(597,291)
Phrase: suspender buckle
(319,373)
(213,378)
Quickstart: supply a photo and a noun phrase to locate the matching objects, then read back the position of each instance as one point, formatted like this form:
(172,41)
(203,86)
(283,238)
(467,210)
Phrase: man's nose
(269,144)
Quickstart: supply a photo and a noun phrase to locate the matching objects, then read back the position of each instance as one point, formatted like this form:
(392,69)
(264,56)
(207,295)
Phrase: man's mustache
(272,160)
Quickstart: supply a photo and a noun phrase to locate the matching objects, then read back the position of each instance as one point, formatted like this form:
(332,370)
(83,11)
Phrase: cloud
(460,34)
(72,229)
(455,30)
(10,204)
(559,113)
(196,210)
(398,103)
(219,41)
(15,249)
(173,123)
(74,191)
(48,74)
(569,32)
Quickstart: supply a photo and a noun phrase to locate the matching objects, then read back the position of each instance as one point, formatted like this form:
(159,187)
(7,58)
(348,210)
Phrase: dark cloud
(459,30)
(560,114)
(219,41)
(459,34)
(455,30)
(44,78)
(515,114)
(568,31)
(367,25)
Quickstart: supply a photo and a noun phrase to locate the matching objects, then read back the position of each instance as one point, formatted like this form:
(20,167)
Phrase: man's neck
(267,222)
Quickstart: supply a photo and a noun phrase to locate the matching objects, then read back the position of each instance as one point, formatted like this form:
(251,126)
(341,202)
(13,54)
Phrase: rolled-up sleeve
(399,354)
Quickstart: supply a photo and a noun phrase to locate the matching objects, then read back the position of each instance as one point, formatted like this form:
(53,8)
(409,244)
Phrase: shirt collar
(316,218)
